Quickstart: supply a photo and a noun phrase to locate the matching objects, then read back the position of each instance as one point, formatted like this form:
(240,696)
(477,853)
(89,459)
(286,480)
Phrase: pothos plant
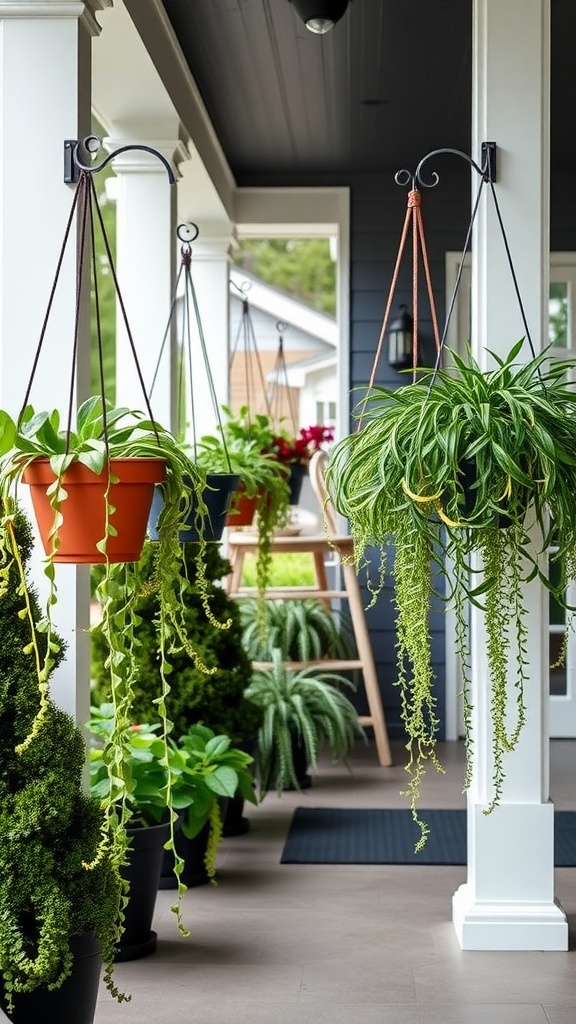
(454,475)
(101,436)
(249,442)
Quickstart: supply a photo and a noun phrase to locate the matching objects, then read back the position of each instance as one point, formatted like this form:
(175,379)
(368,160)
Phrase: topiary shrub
(214,697)
(56,880)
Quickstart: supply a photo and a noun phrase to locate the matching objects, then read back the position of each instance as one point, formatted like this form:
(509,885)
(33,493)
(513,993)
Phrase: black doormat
(323,835)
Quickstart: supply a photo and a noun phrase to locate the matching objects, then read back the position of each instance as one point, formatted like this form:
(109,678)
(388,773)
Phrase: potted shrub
(301,710)
(459,470)
(61,895)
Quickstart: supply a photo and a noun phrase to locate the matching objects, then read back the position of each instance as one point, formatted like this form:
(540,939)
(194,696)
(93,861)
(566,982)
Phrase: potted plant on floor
(148,828)
(304,630)
(301,710)
(61,896)
(457,472)
(207,771)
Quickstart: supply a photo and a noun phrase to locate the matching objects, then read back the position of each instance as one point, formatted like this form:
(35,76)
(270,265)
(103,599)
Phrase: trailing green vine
(459,472)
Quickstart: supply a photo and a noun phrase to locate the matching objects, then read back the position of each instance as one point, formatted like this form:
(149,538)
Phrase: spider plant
(460,471)
(305,707)
(303,630)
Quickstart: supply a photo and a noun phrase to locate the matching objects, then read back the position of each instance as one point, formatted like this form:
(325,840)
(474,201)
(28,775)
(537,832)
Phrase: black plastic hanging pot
(295,480)
(216,496)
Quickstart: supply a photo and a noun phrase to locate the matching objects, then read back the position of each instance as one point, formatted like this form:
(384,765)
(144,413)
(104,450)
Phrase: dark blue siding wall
(378,208)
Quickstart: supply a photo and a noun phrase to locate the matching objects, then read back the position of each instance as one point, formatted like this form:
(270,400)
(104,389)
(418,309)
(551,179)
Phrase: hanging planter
(242,508)
(207,516)
(84,524)
(452,477)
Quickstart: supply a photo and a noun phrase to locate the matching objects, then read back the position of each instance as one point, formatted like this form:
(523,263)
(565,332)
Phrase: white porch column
(210,271)
(45,49)
(508,899)
(145,260)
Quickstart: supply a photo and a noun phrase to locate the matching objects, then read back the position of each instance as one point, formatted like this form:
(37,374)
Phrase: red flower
(292,450)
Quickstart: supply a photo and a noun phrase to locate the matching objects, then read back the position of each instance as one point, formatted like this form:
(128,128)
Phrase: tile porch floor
(297,944)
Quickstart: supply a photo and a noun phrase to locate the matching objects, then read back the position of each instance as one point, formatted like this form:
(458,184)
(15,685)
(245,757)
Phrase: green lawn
(289,570)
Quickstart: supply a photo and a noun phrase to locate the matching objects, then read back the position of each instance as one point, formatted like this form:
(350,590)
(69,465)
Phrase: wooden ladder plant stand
(320,546)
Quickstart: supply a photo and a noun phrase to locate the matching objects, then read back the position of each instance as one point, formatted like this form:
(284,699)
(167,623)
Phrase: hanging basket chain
(188,233)
(84,202)
(413,214)
(51,297)
(122,306)
(247,334)
(419,251)
(280,380)
(97,318)
(83,210)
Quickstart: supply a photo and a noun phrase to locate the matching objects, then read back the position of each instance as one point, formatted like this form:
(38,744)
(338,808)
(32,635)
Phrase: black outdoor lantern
(400,339)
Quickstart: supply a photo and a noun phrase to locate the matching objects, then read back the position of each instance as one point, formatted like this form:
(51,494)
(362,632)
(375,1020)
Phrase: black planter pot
(300,762)
(295,481)
(193,853)
(217,495)
(235,822)
(143,873)
(75,1001)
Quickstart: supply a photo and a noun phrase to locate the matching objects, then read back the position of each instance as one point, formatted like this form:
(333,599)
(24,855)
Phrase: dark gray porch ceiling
(389,83)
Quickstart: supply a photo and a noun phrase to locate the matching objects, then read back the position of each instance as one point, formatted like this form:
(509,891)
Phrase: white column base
(511,926)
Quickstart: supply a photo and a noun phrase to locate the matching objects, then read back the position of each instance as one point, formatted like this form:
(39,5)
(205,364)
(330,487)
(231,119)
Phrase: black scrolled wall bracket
(74,166)
(488,170)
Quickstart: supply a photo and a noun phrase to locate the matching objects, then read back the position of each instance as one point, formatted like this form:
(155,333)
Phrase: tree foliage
(302,267)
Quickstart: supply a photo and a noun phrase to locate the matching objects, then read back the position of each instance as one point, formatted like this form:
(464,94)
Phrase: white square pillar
(45,50)
(508,899)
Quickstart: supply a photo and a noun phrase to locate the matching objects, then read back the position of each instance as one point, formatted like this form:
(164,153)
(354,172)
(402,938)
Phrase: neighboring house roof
(283,307)
(297,372)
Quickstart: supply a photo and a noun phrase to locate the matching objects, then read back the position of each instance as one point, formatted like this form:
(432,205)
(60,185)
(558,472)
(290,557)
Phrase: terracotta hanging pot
(83,510)
(242,509)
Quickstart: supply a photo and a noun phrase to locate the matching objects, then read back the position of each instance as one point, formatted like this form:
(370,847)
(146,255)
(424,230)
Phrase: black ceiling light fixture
(319,16)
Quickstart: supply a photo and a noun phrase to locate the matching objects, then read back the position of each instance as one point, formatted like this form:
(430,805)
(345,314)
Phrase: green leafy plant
(145,760)
(99,436)
(206,768)
(305,707)
(200,768)
(250,443)
(302,630)
(459,471)
(58,875)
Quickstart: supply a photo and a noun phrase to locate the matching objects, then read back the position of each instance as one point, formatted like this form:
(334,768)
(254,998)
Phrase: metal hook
(189,229)
(243,288)
(487,172)
(281,326)
(91,143)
